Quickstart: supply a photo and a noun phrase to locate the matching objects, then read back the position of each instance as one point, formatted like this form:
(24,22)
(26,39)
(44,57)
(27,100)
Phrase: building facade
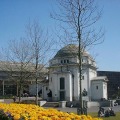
(11,76)
(113,83)
(64,76)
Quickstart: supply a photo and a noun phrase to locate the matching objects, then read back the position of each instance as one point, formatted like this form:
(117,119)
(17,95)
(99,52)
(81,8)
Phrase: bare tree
(41,43)
(78,19)
(17,60)
(28,57)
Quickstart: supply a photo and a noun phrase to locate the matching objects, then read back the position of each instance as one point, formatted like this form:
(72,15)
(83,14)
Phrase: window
(64,61)
(62,83)
(46,88)
(83,77)
(67,61)
(97,87)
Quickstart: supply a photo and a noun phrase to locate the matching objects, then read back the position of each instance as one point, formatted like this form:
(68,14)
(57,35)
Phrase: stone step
(51,104)
(1,100)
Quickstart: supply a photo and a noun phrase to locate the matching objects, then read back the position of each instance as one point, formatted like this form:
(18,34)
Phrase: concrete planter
(41,103)
(1,100)
(62,104)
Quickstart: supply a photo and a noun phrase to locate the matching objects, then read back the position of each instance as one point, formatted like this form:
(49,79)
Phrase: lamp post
(118,91)
(36,88)
(3,87)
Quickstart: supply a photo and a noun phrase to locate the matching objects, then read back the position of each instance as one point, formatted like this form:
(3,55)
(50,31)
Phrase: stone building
(11,74)
(64,76)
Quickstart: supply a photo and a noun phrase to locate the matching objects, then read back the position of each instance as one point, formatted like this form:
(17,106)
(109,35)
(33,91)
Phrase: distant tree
(17,60)
(78,19)
(41,43)
(29,55)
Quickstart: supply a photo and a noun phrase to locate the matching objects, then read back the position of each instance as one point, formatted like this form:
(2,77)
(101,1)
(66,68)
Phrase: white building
(64,76)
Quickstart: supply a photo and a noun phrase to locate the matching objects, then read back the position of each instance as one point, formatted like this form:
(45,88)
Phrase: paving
(68,109)
(92,109)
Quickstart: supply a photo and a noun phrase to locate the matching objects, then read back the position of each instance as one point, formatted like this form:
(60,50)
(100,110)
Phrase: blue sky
(15,14)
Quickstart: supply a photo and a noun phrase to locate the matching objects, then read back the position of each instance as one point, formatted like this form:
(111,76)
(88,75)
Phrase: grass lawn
(117,117)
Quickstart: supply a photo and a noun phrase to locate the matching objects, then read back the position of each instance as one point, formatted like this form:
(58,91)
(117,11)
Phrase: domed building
(64,76)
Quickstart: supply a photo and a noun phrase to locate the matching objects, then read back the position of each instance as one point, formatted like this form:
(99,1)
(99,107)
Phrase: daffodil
(33,112)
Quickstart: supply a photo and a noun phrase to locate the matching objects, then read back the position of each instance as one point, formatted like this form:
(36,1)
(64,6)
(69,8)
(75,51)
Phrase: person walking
(14,98)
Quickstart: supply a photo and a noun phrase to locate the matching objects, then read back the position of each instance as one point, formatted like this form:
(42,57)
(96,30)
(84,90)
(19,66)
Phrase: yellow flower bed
(33,112)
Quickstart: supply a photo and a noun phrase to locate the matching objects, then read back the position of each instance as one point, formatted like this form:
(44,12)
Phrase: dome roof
(69,50)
